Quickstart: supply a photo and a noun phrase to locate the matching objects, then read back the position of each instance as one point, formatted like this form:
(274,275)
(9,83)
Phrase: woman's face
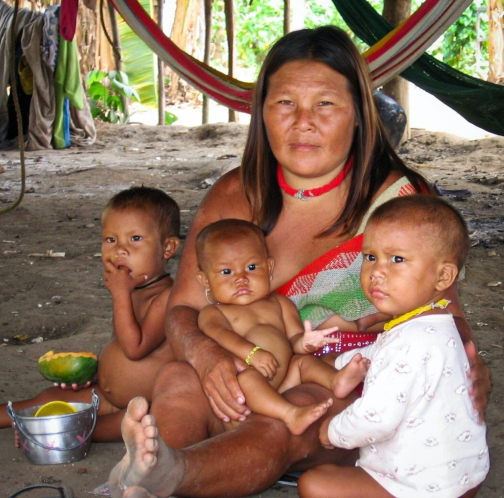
(310,121)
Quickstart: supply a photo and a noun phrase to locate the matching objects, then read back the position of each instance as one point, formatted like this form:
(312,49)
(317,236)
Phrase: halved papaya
(68,368)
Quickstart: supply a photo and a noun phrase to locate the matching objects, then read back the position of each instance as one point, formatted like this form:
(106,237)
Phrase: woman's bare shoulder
(226,197)
(391,179)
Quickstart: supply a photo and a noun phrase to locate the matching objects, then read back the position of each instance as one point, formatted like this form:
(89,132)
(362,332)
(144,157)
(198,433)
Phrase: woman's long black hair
(374,156)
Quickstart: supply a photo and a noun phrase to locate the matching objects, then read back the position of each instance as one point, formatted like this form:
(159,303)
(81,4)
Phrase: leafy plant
(258,23)
(109,94)
(139,61)
(459,43)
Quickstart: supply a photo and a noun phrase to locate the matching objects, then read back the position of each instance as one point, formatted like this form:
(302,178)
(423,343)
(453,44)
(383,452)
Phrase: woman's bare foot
(137,492)
(299,418)
(148,462)
(350,376)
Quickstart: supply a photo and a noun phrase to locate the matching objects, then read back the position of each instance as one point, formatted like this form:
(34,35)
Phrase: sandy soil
(61,301)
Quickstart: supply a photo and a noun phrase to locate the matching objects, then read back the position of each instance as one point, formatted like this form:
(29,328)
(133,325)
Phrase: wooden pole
(117,50)
(396,11)
(206,56)
(496,41)
(287,9)
(230,32)
(186,14)
(160,66)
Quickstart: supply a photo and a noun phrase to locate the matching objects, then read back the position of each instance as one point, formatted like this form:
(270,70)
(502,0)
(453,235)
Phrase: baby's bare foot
(148,462)
(350,376)
(301,417)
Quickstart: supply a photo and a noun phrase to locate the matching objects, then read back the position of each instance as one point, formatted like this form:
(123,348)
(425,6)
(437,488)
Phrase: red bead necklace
(305,195)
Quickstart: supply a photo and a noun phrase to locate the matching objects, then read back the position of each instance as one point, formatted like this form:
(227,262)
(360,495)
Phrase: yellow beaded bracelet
(247,359)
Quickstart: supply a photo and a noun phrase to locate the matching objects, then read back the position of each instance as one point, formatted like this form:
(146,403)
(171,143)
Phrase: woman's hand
(217,370)
(479,373)
(481,382)
(372,323)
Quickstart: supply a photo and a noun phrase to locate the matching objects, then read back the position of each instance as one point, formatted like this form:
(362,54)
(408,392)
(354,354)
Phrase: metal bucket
(56,439)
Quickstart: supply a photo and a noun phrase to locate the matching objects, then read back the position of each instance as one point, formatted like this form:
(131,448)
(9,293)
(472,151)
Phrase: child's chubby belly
(121,379)
(272,340)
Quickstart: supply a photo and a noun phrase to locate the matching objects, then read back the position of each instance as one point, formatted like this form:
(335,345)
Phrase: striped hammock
(406,43)
(387,57)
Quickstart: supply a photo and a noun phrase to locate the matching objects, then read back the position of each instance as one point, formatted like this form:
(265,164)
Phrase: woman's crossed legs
(212,460)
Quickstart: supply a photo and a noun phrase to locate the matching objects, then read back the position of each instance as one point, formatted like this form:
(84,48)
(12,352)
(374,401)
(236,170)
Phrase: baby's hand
(76,387)
(264,362)
(73,387)
(316,339)
(120,279)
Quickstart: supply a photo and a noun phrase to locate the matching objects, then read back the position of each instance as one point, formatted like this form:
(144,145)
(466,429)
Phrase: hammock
(392,52)
(398,48)
(478,101)
(222,88)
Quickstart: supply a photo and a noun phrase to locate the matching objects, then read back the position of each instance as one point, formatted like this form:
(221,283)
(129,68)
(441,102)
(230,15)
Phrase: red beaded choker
(305,195)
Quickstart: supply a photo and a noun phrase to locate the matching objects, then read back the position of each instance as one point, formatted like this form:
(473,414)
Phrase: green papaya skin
(68,368)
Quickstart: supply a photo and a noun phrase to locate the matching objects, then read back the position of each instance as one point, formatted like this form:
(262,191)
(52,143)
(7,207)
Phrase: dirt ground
(57,301)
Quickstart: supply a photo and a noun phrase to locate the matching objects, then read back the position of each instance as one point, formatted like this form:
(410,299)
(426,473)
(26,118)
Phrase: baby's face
(237,271)
(131,239)
(400,269)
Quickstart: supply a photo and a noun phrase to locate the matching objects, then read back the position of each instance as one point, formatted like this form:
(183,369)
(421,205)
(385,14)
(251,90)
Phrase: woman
(315,161)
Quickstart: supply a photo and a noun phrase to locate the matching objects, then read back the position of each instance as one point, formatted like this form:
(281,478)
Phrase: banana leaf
(139,61)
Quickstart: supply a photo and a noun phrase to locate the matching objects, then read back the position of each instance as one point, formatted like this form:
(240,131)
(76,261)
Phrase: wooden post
(206,57)
(396,11)
(160,65)
(117,50)
(287,8)
(186,15)
(496,41)
(230,22)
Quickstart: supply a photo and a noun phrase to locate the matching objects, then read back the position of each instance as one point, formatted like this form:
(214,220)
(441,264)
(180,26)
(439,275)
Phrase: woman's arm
(479,374)
(214,324)
(216,367)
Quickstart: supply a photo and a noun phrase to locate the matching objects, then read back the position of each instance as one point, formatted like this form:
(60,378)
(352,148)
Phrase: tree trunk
(496,41)
(230,32)
(206,57)
(160,75)
(396,11)
(117,51)
(287,9)
(183,33)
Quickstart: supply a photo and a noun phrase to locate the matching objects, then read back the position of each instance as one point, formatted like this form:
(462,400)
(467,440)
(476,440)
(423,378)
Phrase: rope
(105,32)
(19,117)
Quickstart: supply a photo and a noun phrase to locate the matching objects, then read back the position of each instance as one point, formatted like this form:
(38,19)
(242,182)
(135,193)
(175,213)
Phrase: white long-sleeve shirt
(415,425)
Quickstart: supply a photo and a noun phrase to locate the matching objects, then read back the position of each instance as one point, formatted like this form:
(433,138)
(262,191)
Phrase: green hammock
(478,101)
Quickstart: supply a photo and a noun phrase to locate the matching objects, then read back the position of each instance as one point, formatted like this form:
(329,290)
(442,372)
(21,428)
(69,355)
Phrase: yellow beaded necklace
(442,303)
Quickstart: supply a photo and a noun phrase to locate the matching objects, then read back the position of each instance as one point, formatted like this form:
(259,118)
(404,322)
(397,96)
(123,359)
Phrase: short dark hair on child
(227,229)
(447,224)
(161,205)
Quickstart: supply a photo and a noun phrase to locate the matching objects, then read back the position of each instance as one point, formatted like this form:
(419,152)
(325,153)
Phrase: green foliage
(139,60)
(259,23)
(105,91)
(459,43)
